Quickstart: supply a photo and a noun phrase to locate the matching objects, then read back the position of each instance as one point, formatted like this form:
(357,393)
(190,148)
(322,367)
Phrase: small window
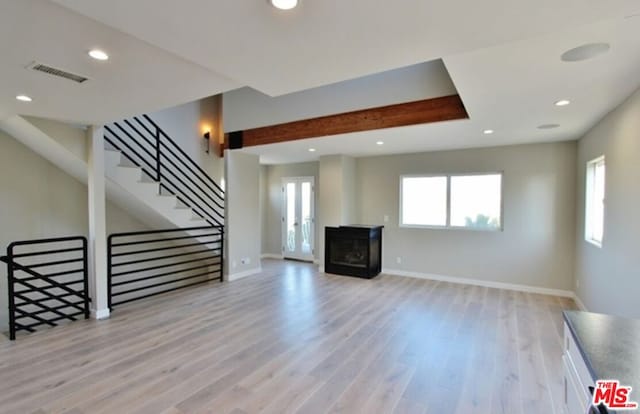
(476,201)
(452,201)
(423,201)
(594,203)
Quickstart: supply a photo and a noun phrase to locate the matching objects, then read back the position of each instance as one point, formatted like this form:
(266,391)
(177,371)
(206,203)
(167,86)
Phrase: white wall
(272,236)
(38,200)
(243,216)
(337,204)
(609,277)
(264,207)
(246,108)
(186,125)
(537,245)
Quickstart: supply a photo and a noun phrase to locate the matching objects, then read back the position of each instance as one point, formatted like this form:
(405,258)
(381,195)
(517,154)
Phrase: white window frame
(588,193)
(448,225)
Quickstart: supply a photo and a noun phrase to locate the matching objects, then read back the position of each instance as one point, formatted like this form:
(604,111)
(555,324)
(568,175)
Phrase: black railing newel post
(158,160)
(109,272)
(85,278)
(10,289)
(222,253)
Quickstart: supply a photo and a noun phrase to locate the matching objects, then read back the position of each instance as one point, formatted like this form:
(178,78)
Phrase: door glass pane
(475,201)
(291,217)
(306,217)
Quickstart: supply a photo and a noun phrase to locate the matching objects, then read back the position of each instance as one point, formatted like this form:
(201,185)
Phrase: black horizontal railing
(56,292)
(147,146)
(148,263)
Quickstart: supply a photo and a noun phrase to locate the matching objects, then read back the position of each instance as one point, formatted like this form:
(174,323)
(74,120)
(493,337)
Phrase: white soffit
(247,108)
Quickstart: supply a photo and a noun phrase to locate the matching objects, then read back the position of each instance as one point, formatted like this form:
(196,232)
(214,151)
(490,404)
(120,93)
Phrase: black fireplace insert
(353,250)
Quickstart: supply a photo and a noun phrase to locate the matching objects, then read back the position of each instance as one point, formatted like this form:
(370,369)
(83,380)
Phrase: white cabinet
(577,378)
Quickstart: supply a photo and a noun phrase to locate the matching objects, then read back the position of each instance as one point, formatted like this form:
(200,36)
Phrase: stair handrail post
(222,253)
(85,277)
(109,272)
(158,155)
(10,290)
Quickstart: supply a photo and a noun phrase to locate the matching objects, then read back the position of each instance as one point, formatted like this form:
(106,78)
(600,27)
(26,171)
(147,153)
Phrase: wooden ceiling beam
(445,108)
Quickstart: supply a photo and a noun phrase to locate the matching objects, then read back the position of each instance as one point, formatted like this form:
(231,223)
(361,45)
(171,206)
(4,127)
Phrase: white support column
(97,224)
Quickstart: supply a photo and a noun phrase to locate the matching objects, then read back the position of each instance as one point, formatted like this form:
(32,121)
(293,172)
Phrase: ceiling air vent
(57,72)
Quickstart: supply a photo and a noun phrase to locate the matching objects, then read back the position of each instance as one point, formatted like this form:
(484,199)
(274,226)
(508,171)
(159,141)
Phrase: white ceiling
(137,78)
(511,89)
(503,57)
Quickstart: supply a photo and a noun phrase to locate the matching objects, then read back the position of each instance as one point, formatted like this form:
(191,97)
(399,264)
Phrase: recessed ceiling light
(380,143)
(488,131)
(584,52)
(24,98)
(562,102)
(98,54)
(284,4)
(312,150)
(548,126)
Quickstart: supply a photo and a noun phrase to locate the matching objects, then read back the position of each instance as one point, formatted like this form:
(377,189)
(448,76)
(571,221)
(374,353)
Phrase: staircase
(133,180)
(150,176)
(146,162)
(147,173)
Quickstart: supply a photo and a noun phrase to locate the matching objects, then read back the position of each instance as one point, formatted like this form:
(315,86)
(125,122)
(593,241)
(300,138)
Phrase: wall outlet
(398,259)
(245,260)
(386,218)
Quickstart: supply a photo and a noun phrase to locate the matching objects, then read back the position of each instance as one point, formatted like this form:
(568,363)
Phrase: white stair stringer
(130,178)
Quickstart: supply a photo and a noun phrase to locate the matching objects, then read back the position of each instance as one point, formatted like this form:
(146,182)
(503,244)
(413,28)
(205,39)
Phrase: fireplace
(353,250)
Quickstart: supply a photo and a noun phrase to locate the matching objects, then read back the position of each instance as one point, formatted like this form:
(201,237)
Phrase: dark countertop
(610,346)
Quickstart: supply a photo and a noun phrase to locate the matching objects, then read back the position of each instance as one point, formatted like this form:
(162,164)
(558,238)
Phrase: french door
(298,218)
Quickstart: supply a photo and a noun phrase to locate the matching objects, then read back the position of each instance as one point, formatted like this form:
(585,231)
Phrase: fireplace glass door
(298,220)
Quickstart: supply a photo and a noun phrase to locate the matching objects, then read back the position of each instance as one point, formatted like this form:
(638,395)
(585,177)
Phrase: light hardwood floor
(293,340)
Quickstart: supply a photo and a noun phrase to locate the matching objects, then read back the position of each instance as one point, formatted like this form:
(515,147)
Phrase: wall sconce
(206,137)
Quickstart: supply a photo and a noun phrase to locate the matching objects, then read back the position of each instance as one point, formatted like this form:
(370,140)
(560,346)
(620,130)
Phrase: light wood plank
(295,340)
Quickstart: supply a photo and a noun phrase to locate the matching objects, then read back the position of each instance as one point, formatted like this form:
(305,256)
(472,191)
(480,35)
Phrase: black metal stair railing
(145,144)
(49,284)
(148,263)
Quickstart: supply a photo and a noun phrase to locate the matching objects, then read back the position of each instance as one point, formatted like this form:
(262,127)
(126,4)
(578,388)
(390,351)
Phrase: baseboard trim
(271,256)
(240,275)
(579,302)
(484,283)
(100,313)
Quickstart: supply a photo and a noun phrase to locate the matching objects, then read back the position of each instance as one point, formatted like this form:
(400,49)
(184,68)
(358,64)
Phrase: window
(424,201)
(452,201)
(594,203)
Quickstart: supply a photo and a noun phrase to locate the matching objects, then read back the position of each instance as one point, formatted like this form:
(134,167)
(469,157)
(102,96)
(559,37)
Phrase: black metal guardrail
(148,263)
(49,284)
(147,146)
